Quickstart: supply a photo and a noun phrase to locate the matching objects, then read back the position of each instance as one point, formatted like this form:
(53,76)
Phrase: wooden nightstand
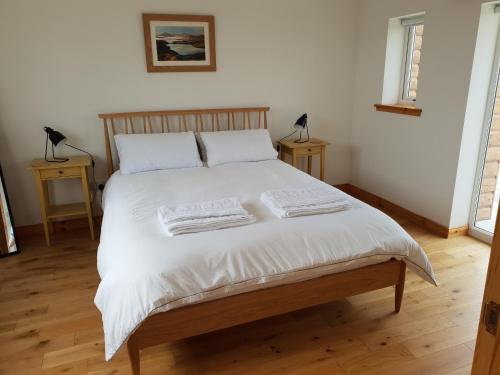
(74,168)
(313,147)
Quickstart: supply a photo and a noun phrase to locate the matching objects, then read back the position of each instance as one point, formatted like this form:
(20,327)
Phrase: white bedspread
(143,271)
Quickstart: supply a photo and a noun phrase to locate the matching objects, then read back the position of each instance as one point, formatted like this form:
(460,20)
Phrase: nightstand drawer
(50,174)
(314,150)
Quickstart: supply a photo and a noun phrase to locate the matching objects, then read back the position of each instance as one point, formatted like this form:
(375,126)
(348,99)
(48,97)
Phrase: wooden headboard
(197,120)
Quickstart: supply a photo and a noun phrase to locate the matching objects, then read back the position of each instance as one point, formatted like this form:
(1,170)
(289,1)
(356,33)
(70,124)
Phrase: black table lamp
(55,138)
(300,125)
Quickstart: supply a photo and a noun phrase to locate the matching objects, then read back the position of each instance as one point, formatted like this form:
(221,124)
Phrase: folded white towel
(308,210)
(310,195)
(207,224)
(312,200)
(203,216)
(198,210)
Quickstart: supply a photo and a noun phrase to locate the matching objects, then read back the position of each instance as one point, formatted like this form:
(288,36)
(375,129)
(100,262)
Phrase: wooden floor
(49,324)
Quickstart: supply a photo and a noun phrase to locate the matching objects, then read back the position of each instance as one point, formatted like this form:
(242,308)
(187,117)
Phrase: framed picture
(179,43)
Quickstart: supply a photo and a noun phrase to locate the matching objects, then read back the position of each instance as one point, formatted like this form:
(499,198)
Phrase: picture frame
(179,43)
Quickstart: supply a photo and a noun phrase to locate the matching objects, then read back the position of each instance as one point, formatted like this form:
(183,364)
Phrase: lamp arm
(289,135)
(94,181)
(86,152)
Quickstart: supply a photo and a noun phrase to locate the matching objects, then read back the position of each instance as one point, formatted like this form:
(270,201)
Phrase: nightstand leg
(309,164)
(294,158)
(41,187)
(46,231)
(88,203)
(50,223)
(322,165)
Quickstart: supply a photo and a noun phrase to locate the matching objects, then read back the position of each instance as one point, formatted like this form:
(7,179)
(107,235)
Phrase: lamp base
(300,140)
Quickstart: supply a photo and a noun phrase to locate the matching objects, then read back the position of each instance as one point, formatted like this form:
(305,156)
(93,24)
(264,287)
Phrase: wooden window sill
(401,109)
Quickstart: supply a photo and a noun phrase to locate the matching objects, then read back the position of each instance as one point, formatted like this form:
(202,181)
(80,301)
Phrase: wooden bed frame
(214,315)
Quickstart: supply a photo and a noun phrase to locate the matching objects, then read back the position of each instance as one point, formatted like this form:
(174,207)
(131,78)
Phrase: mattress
(144,272)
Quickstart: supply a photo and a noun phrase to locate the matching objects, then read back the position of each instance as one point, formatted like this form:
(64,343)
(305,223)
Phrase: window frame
(409,48)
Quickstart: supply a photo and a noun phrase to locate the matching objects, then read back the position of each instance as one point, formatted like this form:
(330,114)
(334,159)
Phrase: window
(414,31)
(402,65)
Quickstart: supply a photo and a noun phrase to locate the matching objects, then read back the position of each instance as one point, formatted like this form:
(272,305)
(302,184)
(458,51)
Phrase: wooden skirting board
(387,206)
(28,231)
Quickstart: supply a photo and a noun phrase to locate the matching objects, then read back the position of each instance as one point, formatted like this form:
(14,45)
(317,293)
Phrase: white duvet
(143,271)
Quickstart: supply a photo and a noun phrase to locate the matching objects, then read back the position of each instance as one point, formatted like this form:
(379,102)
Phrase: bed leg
(134,356)
(400,287)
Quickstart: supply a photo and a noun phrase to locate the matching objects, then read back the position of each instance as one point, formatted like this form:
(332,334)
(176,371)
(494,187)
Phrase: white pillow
(148,152)
(237,146)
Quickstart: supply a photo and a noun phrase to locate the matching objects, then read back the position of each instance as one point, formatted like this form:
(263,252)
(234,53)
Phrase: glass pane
(414,65)
(489,196)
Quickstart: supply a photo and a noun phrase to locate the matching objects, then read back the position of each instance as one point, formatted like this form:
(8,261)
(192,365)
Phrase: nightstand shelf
(74,168)
(66,210)
(309,149)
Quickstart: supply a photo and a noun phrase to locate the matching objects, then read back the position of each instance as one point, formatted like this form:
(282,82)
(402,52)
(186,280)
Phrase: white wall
(413,161)
(63,62)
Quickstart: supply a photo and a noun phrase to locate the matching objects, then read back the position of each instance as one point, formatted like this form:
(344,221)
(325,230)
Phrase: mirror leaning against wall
(8,242)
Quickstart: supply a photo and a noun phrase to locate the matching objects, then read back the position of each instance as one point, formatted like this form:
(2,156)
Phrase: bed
(156,288)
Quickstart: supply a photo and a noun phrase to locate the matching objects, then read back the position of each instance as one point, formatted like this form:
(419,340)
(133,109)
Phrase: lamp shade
(54,136)
(301,122)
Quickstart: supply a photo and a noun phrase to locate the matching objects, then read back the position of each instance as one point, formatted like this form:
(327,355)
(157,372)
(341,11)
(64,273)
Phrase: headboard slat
(109,158)
(199,123)
(187,119)
(184,126)
(163,124)
(113,126)
(218,122)
(202,123)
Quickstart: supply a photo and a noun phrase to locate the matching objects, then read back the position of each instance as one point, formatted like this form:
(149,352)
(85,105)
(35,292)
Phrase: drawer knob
(61,172)
(309,150)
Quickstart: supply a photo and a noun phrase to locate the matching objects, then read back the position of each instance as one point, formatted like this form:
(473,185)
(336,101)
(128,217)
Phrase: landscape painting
(179,43)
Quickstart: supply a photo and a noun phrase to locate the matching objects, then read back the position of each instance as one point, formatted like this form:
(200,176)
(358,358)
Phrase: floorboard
(49,324)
